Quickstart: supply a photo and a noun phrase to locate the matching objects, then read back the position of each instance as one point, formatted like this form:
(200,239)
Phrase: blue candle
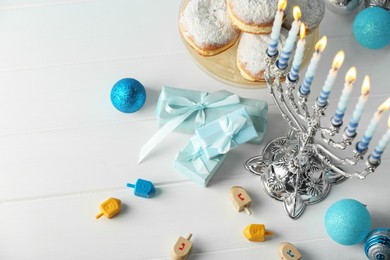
(311,70)
(350,78)
(380,147)
(357,113)
(291,38)
(298,57)
(277,25)
(363,144)
(322,100)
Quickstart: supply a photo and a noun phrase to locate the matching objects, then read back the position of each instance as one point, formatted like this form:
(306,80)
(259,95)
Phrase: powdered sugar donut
(312,13)
(251,54)
(206,27)
(252,16)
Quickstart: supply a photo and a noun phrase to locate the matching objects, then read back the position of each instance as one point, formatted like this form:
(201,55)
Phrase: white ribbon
(229,129)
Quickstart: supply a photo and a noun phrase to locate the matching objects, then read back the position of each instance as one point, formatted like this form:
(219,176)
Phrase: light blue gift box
(197,108)
(193,162)
(229,131)
(186,110)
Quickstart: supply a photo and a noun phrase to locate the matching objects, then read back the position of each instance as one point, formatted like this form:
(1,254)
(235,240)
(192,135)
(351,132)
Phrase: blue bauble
(371,28)
(128,95)
(347,222)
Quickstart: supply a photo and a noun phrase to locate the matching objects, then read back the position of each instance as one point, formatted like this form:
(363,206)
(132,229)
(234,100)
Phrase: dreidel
(143,188)
(109,208)
(182,248)
(241,199)
(256,232)
(288,251)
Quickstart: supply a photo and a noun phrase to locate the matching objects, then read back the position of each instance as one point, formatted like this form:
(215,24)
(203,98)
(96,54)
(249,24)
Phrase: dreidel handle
(189,236)
(248,211)
(130,185)
(268,233)
(99,215)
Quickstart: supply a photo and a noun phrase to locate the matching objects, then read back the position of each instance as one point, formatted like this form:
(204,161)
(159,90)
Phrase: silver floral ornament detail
(315,187)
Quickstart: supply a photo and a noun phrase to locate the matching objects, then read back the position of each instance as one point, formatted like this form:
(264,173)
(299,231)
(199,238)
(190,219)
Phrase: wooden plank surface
(65,149)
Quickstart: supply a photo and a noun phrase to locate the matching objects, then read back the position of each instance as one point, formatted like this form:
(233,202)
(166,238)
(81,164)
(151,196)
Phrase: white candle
(277,25)
(291,38)
(322,100)
(304,89)
(363,144)
(298,57)
(380,147)
(350,78)
(358,112)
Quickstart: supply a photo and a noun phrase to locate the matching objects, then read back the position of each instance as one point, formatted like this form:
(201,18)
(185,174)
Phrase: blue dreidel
(143,188)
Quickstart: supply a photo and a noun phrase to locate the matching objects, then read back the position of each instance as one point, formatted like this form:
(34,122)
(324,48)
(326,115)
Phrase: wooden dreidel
(287,251)
(143,188)
(256,232)
(109,208)
(182,248)
(241,199)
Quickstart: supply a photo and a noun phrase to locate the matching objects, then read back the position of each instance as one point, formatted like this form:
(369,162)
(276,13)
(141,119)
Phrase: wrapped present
(186,110)
(193,162)
(229,131)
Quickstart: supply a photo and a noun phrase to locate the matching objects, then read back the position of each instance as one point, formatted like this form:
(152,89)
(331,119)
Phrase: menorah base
(296,178)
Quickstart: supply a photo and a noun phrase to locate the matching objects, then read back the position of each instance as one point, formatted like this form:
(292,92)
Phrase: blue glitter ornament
(371,28)
(347,222)
(128,95)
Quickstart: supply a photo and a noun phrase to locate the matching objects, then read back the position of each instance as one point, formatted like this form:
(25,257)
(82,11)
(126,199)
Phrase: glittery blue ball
(371,28)
(347,222)
(128,95)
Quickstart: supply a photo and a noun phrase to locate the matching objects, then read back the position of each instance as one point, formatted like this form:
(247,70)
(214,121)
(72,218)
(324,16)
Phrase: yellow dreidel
(288,252)
(182,248)
(109,208)
(241,199)
(256,232)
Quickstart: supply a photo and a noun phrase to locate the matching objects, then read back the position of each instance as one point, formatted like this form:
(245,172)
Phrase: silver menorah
(300,169)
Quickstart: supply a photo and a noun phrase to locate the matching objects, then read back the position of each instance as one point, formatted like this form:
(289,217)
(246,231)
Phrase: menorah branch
(289,92)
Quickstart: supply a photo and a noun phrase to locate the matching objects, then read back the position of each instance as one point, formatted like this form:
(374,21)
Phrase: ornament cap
(378,3)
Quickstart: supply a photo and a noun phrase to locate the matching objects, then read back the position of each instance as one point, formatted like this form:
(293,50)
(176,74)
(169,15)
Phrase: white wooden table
(64,148)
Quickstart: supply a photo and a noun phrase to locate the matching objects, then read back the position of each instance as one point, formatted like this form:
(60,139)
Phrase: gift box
(193,162)
(197,108)
(229,131)
(186,110)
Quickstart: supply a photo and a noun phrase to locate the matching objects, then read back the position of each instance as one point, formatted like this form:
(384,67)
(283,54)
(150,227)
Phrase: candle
(363,144)
(350,78)
(298,57)
(380,147)
(357,113)
(311,70)
(322,100)
(277,25)
(291,38)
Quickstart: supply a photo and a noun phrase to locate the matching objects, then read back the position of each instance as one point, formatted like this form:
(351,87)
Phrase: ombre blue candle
(291,38)
(276,27)
(304,89)
(298,57)
(350,78)
(359,108)
(380,147)
(372,126)
(322,100)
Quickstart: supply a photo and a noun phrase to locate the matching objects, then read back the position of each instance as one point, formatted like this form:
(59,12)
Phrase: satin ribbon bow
(184,107)
(229,127)
(197,159)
